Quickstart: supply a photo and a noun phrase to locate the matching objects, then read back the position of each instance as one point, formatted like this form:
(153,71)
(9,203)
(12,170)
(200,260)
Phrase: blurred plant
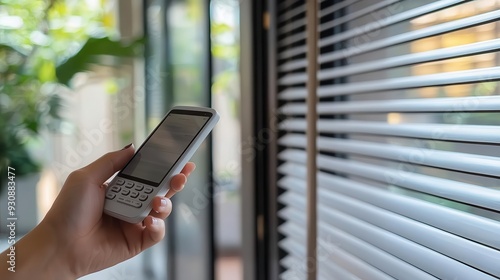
(41,48)
(225,53)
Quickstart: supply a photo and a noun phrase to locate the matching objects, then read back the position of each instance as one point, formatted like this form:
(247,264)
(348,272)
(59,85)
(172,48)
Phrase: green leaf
(225,51)
(47,71)
(92,52)
(220,28)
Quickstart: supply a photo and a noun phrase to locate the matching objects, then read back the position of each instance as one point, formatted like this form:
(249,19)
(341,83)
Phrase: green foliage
(43,44)
(226,50)
(92,52)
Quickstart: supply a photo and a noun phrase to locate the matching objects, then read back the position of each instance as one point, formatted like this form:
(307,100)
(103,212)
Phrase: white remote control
(163,155)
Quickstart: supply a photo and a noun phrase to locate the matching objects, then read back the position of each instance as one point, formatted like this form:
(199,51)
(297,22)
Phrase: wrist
(39,255)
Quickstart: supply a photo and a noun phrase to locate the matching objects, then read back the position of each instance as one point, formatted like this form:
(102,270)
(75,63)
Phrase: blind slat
(386,210)
(470,226)
(434,30)
(390,62)
(356,14)
(328,252)
(445,188)
(441,79)
(457,248)
(302,35)
(292,26)
(291,13)
(386,22)
(372,255)
(437,132)
(425,105)
(293,264)
(327,269)
(416,12)
(471,163)
(424,258)
(335,7)
(287,3)
(354,266)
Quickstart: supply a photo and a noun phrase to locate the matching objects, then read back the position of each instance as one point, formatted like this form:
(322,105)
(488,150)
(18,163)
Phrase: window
(408,168)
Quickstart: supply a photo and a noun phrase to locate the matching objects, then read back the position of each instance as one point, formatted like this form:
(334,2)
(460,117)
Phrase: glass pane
(187,83)
(227,156)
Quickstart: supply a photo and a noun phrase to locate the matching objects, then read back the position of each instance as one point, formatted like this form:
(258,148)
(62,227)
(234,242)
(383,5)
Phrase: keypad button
(139,187)
(136,204)
(134,194)
(129,184)
(110,195)
(148,190)
(129,201)
(120,182)
(115,188)
(143,197)
(125,192)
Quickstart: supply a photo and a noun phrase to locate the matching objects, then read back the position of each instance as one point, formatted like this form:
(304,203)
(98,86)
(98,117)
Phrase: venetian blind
(408,146)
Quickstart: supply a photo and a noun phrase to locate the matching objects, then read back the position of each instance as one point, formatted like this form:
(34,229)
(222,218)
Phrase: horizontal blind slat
(354,265)
(428,260)
(423,105)
(335,7)
(470,226)
(284,4)
(460,249)
(337,255)
(438,132)
(368,252)
(440,79)
(434,30)
(471,163)
(329,268)
(293,266)
(294,249)
(292,26)
(358,49)
(288,40)
(373,255)
(424,258)
(296,216)
(356,14)
(386,63)
(291,13)
(302,35)
(326,252)
(449,189)
(381,23)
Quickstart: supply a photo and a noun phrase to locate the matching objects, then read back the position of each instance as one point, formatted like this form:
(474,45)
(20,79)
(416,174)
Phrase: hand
(85,238)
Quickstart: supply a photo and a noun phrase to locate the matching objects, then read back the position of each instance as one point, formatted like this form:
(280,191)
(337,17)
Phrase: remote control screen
(164,147)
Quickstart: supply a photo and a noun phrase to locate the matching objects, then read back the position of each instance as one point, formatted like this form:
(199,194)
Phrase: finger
(176,184)
(178,181)
(104,167)
(188,168)
(162,207)
(153,233)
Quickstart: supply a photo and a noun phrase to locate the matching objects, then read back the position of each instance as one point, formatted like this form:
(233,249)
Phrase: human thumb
(104,167)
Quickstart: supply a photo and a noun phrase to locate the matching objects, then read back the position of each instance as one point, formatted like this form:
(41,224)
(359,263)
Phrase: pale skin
(75,238)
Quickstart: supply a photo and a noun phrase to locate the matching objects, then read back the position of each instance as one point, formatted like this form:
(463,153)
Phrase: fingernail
(126,147)
(163,202)
(154,221)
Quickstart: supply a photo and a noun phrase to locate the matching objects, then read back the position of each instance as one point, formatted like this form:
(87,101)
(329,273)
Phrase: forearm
(36,256)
